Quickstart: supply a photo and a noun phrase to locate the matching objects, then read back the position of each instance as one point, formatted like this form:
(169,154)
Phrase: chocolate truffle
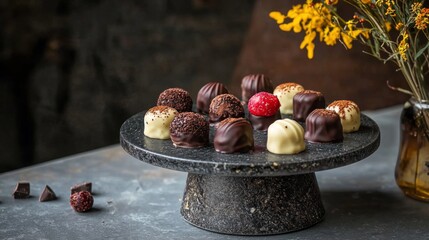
(233,135)
(263,110)
(285,136)
(285,92)
(254,83)
(176,98)
(262,123)
(81,201)
(206,95)
(157,122)
(323,126)
(189,130)
(349,114)
(305,102)
(225,106)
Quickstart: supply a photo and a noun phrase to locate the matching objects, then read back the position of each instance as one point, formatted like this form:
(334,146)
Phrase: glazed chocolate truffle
(323,126)
(206,95)
(254,83)
(285,136)
(285,92)
(233,135)
(189,130)
(225,106)
(349,114)
(157,122)
(305,102)
(176,98)
(263,110)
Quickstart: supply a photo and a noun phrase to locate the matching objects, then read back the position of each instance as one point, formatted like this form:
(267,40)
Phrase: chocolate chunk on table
(22,190)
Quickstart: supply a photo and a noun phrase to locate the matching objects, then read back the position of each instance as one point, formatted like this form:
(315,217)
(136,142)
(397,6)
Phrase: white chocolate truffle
(349,114)
(285,93)
(285,136)
(157,122)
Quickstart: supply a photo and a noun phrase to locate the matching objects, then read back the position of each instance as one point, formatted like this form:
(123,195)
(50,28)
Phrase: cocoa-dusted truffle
(176,98)
(157,122)
(189,130)
(323,126)
(305,102)
(349,114)
(206,95)
(254,83)
(233,135)
(285,93)
(225,106)
(81,201)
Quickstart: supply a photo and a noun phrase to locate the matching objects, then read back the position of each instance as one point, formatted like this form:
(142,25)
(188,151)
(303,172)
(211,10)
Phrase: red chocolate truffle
(225,106)
(305,102)
(81,201)
(323,126)
(176,98)
(206,95)
(234,135)
(254,83)
(189,130)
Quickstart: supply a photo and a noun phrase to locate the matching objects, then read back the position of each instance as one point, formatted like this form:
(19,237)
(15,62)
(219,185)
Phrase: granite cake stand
(257,193)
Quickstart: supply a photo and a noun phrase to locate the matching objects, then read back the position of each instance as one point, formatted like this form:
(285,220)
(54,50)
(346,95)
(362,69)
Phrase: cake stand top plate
(260,162)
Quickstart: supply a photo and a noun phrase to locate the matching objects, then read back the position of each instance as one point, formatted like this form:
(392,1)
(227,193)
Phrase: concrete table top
(134,200)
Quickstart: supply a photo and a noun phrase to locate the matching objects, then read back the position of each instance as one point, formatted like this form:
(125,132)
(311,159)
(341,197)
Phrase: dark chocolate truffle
(233,135)
(305,102)
(22,190)
(176,98)
(206,95)
(189,130)
(81,201)
(261,122)
(254,83)
(225,106)
(323,126)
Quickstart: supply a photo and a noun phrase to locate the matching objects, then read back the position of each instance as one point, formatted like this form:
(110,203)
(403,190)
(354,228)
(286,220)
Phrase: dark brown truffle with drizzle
(206,95)
(176,98)
(305,102)
(225,106)
(234,135)
(189,130)
(254,83)
(323,126)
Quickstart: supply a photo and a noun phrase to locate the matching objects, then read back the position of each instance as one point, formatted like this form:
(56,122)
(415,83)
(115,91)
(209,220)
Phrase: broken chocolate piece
(22,190)
(47,195)
(85,186)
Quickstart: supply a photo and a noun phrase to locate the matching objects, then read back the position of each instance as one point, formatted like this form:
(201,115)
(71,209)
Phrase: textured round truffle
(81,201)
(206,95)
(189,130)
(157,122)
(233,135)
(349,113)
(323,126)
(176,98)
(225,106)
(254,83)
(285,136)
(305,102)
(285,93)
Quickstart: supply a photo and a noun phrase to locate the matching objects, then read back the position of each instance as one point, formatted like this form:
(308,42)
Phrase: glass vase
(412,167)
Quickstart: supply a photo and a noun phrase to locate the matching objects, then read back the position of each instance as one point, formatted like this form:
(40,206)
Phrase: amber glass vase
(412,167)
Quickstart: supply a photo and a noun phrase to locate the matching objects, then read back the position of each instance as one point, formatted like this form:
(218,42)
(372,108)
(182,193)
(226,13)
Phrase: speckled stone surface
(316,157)
(252,205)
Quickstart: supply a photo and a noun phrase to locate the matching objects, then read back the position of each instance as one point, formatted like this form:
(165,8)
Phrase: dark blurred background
(72,71)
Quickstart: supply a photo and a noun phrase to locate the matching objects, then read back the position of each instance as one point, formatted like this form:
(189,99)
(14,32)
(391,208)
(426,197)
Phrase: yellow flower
(403,46)
(331,35)
(280,18)
(331,2)
(388,26)
(422,19)
(416,7)
(366,1)
(399,26)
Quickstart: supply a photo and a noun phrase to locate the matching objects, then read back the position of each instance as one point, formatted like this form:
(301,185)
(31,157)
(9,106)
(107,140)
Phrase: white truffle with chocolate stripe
(157,122)
(285,93)
(285,136)
(349,114)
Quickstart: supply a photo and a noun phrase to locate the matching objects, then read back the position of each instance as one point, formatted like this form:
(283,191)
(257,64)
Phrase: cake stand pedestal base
(252,205)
